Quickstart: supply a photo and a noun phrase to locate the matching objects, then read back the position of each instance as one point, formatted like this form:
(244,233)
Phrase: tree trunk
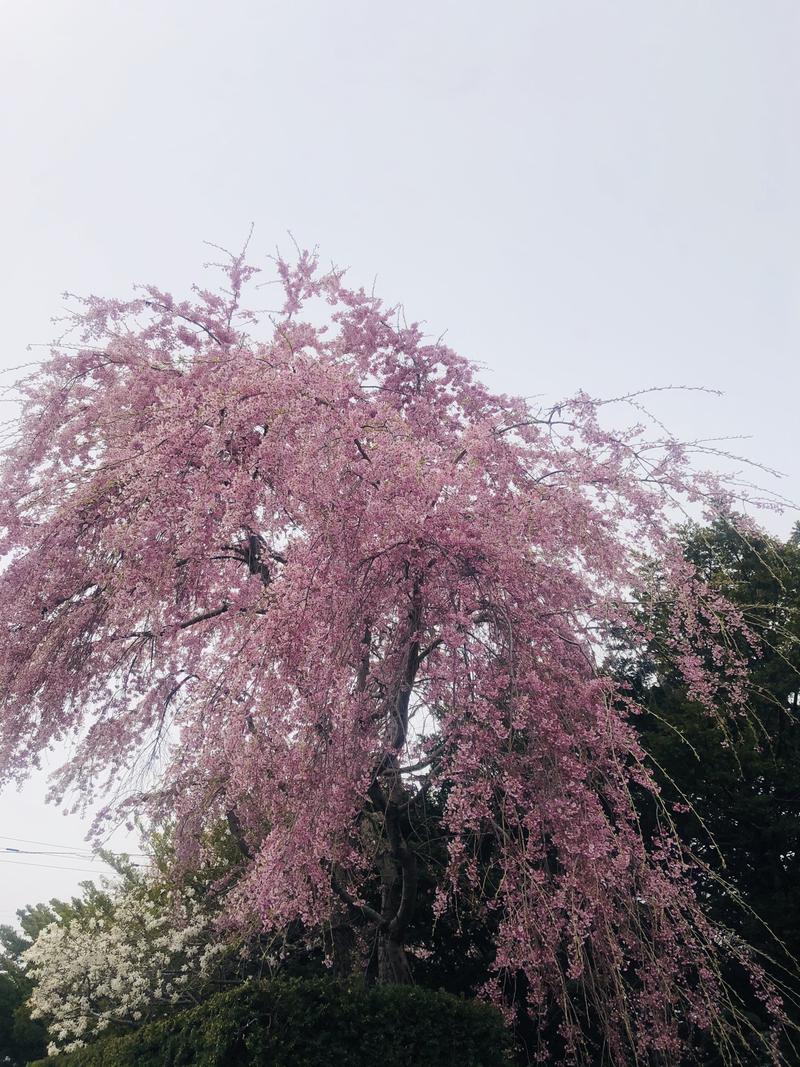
(398,863)
(343,938)
(393,966)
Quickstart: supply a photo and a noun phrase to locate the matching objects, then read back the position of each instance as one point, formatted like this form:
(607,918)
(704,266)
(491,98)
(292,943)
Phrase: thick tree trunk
(398,872)
(398,863)
(343,937)
(393,965)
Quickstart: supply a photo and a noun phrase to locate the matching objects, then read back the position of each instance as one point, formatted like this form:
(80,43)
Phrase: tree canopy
(735,779)
(21,1037)
(303,573)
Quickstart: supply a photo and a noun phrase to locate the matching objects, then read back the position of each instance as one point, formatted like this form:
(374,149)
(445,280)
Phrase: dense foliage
(21,1037)
(733,783)
(150,947)
(321,585)
(312,1024)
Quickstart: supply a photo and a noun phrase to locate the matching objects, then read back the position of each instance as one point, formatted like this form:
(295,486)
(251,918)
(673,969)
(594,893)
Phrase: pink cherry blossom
(299,570)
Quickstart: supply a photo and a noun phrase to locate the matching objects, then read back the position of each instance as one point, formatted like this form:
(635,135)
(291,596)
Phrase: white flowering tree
(146,947)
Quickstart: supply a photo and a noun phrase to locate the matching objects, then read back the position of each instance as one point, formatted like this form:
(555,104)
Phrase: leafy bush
(310,1024)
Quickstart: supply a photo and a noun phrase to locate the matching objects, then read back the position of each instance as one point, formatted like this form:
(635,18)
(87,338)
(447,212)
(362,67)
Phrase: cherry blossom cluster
(300,571)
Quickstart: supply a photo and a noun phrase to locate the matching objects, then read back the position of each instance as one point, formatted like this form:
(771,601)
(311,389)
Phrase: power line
(62,855)
(49,866)
(42,852)
(54,844)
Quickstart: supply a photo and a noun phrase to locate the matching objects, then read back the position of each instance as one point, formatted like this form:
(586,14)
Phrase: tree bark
(398,873)
(393,965)
(389,797)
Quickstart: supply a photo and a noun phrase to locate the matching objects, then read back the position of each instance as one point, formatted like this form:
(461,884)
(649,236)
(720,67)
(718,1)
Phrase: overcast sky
(583,194)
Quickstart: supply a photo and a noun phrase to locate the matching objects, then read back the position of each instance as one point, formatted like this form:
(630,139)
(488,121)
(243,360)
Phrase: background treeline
(739,776)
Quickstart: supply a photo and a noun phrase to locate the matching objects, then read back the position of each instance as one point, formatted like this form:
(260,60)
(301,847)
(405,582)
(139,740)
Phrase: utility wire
(41,852)
(66,855)
(54,844)
(49,866)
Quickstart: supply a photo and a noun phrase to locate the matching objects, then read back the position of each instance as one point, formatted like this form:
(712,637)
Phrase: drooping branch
(356,906)
(202,617)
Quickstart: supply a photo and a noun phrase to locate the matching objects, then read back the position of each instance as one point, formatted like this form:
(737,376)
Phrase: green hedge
(301,1023)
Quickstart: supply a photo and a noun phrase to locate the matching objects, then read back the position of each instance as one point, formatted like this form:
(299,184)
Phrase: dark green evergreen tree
(741,781)
(21,1038)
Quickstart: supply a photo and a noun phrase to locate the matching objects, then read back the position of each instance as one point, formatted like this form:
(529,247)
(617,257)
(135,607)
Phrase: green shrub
(310,1024)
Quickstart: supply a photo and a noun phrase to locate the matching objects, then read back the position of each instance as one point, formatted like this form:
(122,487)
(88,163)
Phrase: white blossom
(157,947)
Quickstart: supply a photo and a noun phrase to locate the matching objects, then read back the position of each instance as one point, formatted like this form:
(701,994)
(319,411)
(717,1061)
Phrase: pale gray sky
(597,195)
